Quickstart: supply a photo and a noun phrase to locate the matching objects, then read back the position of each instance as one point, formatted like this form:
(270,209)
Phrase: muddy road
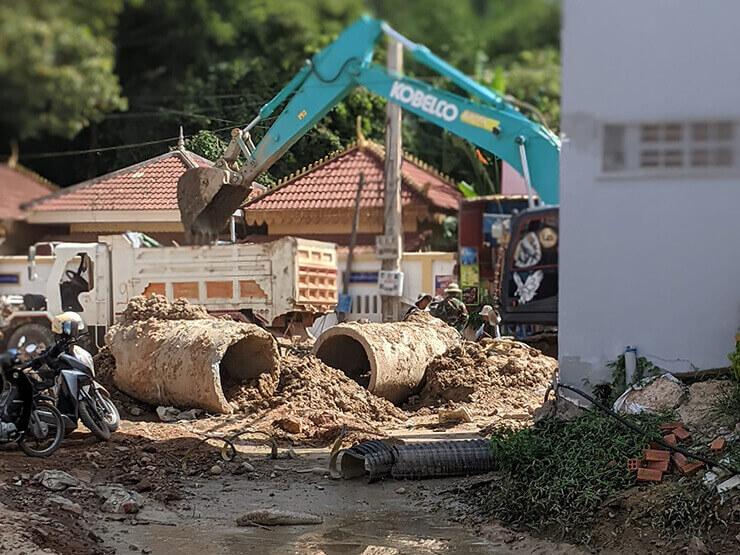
(192,497)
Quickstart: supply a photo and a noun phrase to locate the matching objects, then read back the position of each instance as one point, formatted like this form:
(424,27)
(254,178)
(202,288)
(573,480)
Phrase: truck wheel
(36,334)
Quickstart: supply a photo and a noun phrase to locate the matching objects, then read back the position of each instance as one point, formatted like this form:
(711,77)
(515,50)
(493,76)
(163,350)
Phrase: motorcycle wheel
(94,421)
(39,446)
(112,417)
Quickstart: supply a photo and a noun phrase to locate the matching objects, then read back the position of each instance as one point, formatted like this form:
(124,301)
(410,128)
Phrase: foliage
(56,67)
(558,473)
(734,358)
(727,403)
(644,368)
(686,510)
(210,65)
(206,144)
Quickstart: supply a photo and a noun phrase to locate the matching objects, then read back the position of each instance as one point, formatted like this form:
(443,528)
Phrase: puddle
(382,533)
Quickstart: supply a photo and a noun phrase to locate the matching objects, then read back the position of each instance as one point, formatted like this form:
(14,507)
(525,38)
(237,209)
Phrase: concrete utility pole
(391,305)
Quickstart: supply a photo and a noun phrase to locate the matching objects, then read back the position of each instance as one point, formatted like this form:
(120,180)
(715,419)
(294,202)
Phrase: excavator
(208,196)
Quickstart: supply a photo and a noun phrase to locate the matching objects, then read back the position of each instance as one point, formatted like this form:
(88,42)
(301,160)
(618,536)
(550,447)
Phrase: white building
(650,184)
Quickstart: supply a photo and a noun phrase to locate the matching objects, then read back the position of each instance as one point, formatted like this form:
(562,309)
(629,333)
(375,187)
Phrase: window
(669,146)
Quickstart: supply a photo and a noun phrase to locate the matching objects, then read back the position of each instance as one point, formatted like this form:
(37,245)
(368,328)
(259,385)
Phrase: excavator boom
(208,196)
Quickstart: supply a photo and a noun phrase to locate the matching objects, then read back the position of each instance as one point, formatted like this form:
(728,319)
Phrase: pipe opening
(348,355)
(247,359)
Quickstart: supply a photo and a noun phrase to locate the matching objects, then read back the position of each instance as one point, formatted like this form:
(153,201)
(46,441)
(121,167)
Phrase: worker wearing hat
(451,309)
(490,325)
(420,305)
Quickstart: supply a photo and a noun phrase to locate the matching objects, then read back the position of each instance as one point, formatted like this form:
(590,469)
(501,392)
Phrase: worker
(490,325)
(421,304)
(451,309)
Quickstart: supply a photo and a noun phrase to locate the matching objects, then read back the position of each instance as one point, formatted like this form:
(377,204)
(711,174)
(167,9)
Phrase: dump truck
(280,285)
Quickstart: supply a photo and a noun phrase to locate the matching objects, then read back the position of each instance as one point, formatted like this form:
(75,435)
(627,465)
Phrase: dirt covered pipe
(387,359)
(176,354)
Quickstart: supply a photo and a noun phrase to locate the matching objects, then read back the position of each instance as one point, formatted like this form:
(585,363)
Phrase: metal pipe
(525,169)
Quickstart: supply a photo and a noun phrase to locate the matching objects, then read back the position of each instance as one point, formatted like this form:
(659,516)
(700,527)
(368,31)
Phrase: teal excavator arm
(208,196)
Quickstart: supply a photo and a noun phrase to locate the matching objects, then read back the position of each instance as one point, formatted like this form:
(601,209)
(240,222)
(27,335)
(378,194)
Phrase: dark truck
(517,256)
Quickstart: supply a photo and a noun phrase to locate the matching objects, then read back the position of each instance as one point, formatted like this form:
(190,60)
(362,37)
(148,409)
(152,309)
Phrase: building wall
(649,258)
(419,268)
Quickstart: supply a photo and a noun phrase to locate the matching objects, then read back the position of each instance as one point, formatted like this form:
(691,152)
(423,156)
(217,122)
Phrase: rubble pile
(159,307)
(309,400)
(496,377)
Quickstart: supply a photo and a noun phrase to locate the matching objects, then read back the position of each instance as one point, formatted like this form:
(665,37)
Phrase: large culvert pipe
(388,359)
(187,363)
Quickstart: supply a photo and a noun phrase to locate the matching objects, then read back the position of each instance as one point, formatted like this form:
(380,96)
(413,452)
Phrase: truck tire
(38,334)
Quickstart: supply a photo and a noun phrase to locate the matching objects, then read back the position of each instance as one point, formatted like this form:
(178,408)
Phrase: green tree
(56,67)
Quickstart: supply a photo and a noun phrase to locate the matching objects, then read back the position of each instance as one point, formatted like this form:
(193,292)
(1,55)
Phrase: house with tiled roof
(142,197)
(18,186)
(319,200)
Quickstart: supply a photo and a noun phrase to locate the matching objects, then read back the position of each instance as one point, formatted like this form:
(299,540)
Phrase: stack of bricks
(657,461)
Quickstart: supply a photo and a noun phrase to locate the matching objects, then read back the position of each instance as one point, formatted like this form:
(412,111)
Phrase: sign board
(387,247)
(441,283)
(469,270)
(390,284)
(363,277)
(345,303)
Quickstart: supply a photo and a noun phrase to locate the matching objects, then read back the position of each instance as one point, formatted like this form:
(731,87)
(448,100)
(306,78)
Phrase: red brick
(649,475)
(668,426)
(656,455)
(691,468)
(718,444)
(679,459)
(670,439)
(681,433)
(633,464)
(658,465)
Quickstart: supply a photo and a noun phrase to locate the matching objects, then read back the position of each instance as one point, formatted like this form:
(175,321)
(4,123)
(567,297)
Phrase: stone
(215,470)
(290,424)
(56,480)
(117,500)
(168,414)
(276,517)
(401,491)
(135,411)
(461,414)
(64,504)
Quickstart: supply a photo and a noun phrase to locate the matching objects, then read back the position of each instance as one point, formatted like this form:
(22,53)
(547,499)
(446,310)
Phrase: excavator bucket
(206,201)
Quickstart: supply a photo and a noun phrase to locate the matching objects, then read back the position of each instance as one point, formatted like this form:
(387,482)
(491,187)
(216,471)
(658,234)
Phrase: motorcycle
(28,417)
(79,397)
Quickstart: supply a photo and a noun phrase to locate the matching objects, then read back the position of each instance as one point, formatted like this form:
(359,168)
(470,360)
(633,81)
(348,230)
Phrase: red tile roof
(18,186)
(332,183)
(148,185)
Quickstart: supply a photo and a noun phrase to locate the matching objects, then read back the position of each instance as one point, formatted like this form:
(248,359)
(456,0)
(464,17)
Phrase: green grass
(559,473)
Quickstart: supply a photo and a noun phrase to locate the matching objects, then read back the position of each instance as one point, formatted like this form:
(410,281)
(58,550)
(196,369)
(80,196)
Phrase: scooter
(79,396)
(26,416)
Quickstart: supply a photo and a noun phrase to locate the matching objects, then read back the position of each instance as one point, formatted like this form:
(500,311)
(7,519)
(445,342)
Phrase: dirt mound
(160,308)
(498,377)
(309,400)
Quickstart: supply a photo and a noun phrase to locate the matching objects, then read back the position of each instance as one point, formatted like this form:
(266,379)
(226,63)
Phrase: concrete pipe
(188,363)
(387,359)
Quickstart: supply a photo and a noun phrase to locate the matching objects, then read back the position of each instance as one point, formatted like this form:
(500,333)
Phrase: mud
(699,411)
(319,402)
(499,379)
(388,359)
(176,354)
